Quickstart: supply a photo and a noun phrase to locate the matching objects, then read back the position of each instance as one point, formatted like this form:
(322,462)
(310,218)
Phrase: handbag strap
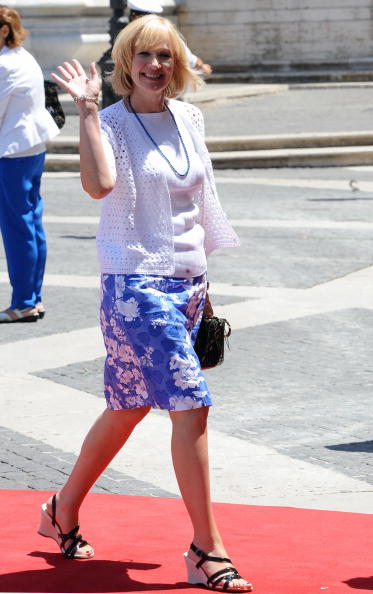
(228,332)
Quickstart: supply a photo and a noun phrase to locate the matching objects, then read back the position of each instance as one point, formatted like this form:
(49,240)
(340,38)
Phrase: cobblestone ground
(293,398)
(300,384)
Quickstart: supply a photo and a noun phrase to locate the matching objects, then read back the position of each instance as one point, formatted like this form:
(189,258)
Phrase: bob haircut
(17,33)
(146,32)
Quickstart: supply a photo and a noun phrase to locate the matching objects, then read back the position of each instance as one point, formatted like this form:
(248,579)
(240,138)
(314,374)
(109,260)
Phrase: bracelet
(82,98)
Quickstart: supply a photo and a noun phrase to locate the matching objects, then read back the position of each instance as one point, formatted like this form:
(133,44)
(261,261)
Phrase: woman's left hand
(207,310)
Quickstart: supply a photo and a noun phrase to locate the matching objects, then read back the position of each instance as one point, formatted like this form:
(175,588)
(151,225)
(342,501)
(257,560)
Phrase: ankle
(64,505)
(210,545)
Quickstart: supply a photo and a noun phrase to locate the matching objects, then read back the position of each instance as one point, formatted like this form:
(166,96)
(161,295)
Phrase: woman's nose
(155,61)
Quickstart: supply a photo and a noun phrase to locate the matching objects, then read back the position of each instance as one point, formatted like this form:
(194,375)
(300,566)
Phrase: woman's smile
(152,76)
(152,68)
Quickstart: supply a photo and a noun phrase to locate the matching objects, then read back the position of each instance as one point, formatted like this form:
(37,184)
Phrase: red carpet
(139,543)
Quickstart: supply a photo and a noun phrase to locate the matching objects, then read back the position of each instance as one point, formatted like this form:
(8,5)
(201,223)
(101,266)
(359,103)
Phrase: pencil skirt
(149,324)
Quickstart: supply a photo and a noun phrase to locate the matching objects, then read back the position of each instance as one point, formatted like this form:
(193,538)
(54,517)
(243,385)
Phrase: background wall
(260,32)
(230,34)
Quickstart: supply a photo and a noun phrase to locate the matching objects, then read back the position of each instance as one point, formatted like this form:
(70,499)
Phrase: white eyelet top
(154,222)
(188,234)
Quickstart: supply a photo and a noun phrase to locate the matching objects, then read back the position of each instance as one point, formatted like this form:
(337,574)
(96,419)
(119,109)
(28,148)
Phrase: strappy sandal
(196,574)
(12,316)
(50,528)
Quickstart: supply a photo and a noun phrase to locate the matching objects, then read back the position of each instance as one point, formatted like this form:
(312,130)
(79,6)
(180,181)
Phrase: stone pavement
(231,110)
(251,126)
(291,421)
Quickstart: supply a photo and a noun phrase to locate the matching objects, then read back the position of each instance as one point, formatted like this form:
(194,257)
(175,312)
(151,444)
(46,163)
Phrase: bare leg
(105,438)
(190,459)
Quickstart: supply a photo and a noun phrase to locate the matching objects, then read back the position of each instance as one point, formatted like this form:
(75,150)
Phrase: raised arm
(94,170)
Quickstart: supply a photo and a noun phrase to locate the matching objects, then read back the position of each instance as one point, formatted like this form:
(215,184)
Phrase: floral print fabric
(149,324)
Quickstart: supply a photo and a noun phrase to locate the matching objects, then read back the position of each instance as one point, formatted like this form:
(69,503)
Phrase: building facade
(247,33)
(234,35)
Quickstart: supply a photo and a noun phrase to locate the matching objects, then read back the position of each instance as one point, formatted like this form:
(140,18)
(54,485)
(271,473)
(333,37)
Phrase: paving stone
(35,466)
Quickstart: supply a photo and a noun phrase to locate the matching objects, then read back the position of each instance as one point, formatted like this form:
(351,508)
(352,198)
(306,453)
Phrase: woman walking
(25,127)
(146,158)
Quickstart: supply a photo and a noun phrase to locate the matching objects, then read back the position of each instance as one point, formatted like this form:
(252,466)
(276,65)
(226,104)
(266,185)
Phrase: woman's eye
(143,53)
(165,56)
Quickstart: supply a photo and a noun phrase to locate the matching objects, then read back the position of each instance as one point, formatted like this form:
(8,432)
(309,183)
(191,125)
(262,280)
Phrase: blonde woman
(25,127)
(145,157)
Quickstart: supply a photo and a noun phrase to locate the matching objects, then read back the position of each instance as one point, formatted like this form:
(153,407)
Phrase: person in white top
(25,127)
(145,157)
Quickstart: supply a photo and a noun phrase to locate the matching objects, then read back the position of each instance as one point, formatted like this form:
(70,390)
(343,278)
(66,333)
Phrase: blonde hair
(146,32)
(17,33)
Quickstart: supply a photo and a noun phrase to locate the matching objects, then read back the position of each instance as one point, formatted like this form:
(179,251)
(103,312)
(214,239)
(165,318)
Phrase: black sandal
(50,528)
(196,574)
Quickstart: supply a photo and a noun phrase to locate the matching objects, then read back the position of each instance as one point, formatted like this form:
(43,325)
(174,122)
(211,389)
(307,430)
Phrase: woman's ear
(4,32)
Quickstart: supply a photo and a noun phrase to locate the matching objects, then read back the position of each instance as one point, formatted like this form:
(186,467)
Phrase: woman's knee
(193,421)
(125,417)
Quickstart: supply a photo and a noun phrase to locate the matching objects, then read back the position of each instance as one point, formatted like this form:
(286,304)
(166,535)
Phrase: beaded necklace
(156,145)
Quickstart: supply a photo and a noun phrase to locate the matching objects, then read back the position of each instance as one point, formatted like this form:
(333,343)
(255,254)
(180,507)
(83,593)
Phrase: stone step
(293,75)
(70,144)
(341,156)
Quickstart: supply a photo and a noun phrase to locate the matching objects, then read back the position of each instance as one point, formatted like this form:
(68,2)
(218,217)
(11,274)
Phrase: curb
(291,141)
(301,157)
(294,75)
(70,144)
(248,152)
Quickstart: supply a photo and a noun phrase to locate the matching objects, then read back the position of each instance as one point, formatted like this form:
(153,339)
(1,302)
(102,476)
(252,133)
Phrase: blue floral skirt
(149,324)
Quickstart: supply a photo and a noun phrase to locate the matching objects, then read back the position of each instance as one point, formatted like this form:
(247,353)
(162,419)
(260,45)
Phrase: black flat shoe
(15,316)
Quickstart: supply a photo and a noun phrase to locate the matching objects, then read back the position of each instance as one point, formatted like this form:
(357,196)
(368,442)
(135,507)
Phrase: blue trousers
(21,209)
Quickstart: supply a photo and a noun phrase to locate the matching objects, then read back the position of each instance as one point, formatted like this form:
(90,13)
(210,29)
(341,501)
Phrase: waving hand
(75,81)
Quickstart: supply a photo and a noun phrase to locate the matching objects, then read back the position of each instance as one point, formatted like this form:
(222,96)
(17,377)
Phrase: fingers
(78,67)
(70,69)
(73,78)
(93,70)
(65,72)
(59,80)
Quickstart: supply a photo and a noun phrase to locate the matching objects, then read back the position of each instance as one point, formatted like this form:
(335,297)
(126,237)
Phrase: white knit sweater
(135,234)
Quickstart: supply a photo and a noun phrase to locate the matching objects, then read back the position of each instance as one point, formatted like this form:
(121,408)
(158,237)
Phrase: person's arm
(196,62)
(6,89)
(95,174)
(201,65)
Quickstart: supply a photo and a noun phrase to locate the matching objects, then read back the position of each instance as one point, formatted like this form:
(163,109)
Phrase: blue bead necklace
(157,147)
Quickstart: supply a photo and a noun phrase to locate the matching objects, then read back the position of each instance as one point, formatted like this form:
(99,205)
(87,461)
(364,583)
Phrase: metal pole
(116,23)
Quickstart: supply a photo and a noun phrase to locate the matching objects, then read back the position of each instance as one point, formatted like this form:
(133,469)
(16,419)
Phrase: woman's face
(153,67)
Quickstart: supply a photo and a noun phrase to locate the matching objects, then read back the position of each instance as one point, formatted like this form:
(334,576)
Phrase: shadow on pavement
(358,446)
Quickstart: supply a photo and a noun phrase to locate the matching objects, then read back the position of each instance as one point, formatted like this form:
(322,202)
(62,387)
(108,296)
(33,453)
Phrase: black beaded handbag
(52,103)
(209,344)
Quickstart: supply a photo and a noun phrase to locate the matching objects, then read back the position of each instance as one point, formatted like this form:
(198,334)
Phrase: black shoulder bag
(52,102)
